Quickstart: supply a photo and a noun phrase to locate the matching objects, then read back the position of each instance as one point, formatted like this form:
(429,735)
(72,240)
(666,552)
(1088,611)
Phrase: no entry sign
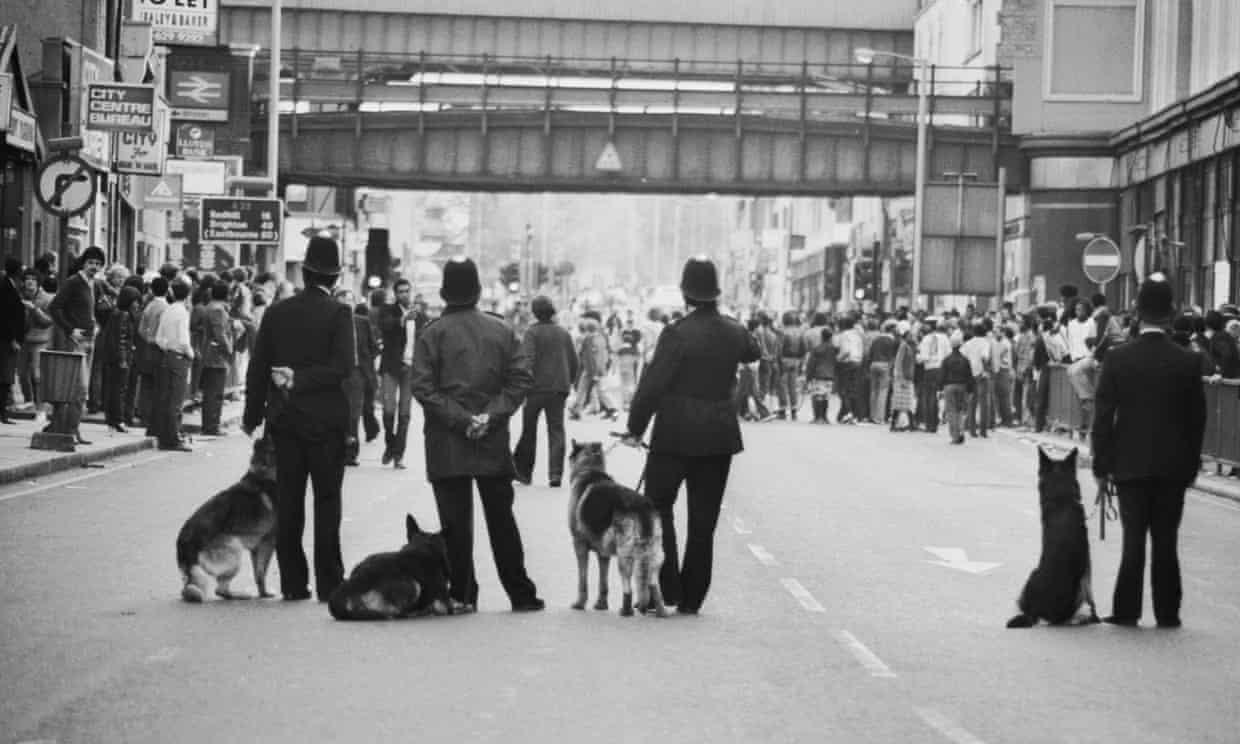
(1100,260)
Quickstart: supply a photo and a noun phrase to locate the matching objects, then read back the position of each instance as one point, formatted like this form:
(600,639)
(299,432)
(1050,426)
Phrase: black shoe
(119,428)
(529,605)
(4,419)
(686,610)
(352,462)
(296,596)
(80,440)
(522,480)
(1170,622)
(178,447)
(555,483)
(397,464)
(1123,622)
(387,457)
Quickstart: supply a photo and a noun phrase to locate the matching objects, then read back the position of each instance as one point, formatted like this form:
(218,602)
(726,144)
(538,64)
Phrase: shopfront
(22,232)
(1178,174)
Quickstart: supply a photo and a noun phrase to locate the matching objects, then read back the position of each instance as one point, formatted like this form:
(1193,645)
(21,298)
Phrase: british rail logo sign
(190,22)
(118,107)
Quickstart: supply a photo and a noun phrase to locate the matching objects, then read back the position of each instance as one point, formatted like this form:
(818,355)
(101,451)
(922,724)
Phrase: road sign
(66,186)
(195,141)
(199,96)
(159,192)
(609,160)
(192,22)
(1101,260)
(120,107)
(241,220)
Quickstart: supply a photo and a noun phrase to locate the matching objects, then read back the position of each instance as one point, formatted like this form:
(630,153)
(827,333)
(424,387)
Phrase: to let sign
(117,107)
(192,22)
(239,220)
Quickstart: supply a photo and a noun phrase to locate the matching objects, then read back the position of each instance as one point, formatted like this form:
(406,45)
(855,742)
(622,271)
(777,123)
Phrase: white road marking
(762,555)
(739,526)
(78,479)
(958,559)
(864,655)
(802,595)
(951,730)
(168,653)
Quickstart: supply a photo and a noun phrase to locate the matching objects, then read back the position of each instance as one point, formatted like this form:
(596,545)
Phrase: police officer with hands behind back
(302,356)
(689,385)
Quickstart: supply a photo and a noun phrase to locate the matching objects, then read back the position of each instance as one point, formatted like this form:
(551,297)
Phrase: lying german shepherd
(410,582)
(1060,585)
(613,520)
(242,516)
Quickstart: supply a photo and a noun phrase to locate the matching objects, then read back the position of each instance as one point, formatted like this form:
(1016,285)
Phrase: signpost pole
(273,99)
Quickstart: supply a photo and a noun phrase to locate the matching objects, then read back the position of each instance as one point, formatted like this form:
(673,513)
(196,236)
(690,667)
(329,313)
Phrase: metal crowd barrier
(1222,436)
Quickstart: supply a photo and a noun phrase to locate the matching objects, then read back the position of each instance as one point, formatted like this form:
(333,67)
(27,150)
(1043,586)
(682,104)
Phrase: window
(1094,50)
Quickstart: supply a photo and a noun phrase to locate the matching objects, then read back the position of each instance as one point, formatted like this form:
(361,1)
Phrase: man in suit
(12,330)
(73,312)
(217,357)
(1149,423)
(470,375)
(302,356)
(696,433)
(554,364)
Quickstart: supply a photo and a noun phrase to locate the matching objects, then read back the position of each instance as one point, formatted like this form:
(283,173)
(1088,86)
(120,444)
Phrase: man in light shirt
(172,338)
(1002,365)
(851,346)
(1080,330)
(977,351)
(933,349)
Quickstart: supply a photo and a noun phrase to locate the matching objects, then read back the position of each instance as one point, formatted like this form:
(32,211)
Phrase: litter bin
(62,376)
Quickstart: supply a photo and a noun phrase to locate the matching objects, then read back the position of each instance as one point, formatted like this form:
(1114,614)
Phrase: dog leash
(1104,504)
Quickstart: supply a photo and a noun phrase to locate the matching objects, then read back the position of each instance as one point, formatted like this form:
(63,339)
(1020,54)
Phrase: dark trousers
(848,377)
(213,381)
(980,416)
(369,391)
(170,397)
(115,394)
(455,501)
(928,399)
(1041,399)
(1150,507)
(321,460)
(536,404)
(397,396)
(685,583)
(148,382)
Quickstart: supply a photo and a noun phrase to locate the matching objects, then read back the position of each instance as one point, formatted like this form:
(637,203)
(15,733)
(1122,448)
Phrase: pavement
(862,581)
(18,462)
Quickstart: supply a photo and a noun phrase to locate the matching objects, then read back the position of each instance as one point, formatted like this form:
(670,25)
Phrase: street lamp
(866,56)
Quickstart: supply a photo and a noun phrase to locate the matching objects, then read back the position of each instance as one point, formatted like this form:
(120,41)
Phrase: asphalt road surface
(830,619)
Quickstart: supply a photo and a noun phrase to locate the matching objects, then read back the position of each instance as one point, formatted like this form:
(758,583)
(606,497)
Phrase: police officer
(1155,388)
(689,385)
(303,354)
(470,375)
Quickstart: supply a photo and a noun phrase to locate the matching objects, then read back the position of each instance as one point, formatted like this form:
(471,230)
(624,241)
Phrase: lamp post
(866,57)
(273,100)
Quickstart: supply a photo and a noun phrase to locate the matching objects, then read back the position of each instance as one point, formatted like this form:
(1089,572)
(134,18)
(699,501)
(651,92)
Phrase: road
(829,620)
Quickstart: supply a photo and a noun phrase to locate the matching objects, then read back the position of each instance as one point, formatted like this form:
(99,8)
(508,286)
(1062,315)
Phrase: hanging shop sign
(186,22)
(66,186)
(241,220)
(195,141)
(91,67)
(6,100)
(23,132)
(120,107)
(201,177)
(144,153)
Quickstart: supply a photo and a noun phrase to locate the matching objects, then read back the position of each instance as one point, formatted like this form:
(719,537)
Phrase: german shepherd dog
(242,516)
(1061,583)
(409,582)
(613,520)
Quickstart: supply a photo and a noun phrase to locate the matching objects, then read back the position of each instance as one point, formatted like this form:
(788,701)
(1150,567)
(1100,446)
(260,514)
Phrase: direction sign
(191,22)
(66,186)
(1101,260)
(120,107)
(241,220)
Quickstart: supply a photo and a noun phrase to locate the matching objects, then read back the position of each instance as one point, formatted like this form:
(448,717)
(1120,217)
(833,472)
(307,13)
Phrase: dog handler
(304,353)
(689,385)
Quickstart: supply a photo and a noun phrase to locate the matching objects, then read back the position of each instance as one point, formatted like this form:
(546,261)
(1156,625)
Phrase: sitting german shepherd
(1060,585)
(409,582)
(242,516)
(613,520)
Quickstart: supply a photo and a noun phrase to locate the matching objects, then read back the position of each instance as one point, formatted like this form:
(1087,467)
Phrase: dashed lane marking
(864,655)
(168,653)
(951,730)
(762,555)
(802,595)
(68,482)
(739,525)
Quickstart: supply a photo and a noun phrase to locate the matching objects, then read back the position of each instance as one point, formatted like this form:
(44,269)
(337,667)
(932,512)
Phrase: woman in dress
(903,389)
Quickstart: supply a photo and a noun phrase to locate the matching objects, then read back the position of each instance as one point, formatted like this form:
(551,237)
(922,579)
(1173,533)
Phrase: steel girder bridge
(483,123)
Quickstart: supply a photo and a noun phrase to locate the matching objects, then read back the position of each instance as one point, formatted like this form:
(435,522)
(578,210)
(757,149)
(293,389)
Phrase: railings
(1222,436)
(317,81)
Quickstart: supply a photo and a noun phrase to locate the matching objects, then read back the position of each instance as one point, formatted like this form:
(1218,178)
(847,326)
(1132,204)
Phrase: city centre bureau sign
(241,220)
(120,107)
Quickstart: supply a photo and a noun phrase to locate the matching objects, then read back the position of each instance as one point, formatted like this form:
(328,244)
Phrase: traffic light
(865,280)
(378,257)
(543,275)
(510,275)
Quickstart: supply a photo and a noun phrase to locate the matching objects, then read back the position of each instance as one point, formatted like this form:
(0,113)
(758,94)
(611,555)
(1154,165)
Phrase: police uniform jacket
(688,386)
(313,334)
(465,363)
(1150,412)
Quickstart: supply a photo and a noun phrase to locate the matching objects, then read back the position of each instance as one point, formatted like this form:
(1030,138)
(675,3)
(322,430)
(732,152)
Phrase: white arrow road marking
(762,555)
(739,526)
(802,595)
(956,558)
(868,658)
(947,727)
